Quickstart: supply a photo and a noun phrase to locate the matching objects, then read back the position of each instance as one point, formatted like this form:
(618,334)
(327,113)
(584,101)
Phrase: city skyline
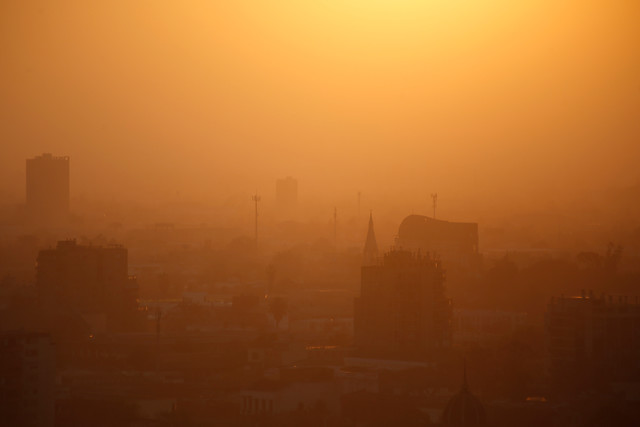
(346,213)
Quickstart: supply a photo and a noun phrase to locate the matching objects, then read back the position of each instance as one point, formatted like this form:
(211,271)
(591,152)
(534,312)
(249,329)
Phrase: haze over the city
(473,99)
(329,213)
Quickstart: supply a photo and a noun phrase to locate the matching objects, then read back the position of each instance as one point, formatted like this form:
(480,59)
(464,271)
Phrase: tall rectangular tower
(47,189)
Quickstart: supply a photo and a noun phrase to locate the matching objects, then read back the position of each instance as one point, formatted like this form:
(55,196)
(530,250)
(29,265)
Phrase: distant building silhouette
(370,253)
(485,326)
(89,280)
(27,379)
(402,311)
(593,340)
(286,196)
(47,189)
(309,392)
(456,243)
(464,409)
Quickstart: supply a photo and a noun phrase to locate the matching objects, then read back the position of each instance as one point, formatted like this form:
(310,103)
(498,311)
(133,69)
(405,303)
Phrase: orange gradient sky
(209,98)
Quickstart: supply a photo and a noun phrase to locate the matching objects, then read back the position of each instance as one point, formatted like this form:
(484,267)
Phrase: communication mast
(256,199)
(335,226)
(434,198)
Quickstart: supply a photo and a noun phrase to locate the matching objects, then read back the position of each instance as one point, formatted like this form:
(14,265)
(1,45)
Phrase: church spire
(371,246)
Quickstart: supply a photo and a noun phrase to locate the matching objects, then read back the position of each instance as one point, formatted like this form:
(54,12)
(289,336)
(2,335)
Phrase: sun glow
(429,78)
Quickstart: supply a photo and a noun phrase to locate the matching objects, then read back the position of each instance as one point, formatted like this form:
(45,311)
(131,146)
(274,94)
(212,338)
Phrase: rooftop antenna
(256,199)
(335,226)
(434,197)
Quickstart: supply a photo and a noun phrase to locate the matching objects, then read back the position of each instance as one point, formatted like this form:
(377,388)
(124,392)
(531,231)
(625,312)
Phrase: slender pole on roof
(335,226)
(255,198)
(434,197)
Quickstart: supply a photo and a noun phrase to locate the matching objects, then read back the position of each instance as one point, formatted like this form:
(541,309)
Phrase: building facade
(593,340)
(27,379)
(90,280)
(402,311)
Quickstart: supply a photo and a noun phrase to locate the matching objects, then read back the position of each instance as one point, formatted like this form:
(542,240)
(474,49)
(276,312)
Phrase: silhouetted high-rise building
(90,280)
(593,339)
(286,195)
(47,189)
(27,379)
(402,311)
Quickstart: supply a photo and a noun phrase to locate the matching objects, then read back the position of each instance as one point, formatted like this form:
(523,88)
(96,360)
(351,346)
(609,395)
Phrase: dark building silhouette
(90,280)
(47,189)
(286,195)
(593,340)
(464,409)
(456,243)
(402,311)
(27,379)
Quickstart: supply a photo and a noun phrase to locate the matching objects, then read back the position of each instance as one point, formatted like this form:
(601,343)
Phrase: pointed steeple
(370,246)
(464,409)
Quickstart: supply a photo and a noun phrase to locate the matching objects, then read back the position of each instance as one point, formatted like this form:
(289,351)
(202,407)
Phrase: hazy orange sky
(400,96)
